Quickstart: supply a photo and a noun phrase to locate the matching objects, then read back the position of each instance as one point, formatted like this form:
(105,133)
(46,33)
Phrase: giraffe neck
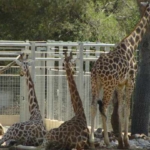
(75,97)
(130,43)
(33,103)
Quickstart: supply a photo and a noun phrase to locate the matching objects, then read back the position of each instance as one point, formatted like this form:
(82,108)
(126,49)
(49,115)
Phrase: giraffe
(113,71)
(28,133)
(73,133)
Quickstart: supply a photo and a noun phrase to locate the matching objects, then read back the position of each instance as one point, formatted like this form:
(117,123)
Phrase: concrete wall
(8,120)
(50,124)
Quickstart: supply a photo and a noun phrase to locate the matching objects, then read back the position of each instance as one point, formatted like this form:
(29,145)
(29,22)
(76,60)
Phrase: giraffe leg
(120,108)
(95,95)
(107,92)
(93,114)
(129,90)
(126,139)
(106,138)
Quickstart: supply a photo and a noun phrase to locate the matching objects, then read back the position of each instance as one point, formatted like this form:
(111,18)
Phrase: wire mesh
(50,81)
(10,92)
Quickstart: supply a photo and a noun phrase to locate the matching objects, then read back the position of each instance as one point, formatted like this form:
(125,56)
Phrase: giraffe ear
(144,3)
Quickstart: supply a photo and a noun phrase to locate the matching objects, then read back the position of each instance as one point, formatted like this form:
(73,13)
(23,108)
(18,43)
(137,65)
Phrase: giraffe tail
(100,103)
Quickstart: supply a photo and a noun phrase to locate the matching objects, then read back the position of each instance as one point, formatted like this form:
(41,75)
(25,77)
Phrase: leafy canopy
(67,20)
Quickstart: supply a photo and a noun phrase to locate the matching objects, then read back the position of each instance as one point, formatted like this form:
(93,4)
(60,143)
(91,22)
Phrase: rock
(98,133)
(99,130)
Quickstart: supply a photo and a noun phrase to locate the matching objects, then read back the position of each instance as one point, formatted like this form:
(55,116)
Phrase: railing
(49,76)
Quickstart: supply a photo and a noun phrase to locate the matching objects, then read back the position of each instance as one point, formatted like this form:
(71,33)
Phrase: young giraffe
(73,133)
(112,71)
(27,133)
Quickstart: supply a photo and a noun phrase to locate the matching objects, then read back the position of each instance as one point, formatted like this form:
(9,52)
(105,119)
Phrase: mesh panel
(10,92)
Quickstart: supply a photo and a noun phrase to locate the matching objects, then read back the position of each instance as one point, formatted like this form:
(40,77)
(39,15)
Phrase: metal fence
(49,77)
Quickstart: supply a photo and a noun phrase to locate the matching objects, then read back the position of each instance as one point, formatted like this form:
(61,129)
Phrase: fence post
(40,81)
(33,61)
(60,94)
(68,104)
(81,92)
(50,83)
(87,86)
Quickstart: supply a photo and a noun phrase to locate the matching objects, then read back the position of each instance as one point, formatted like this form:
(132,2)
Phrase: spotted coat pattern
(116,71)
(73,133)
(30,132)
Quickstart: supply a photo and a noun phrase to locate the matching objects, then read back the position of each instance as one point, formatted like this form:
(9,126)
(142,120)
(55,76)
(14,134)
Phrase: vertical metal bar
(98,116)
(60,86)
(81,70)
(68,103)
(33,61)
(50,85)
(40,82)
(97,51)
(107,48)
(86,86)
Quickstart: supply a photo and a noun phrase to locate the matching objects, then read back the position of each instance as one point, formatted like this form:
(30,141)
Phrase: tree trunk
(140,116)
(141,99)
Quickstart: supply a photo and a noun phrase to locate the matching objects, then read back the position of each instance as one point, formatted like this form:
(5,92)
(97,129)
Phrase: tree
(67,20)
(140,116)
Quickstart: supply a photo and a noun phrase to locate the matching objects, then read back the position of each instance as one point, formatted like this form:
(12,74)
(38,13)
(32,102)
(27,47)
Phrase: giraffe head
(146,4)
(69,61)
(147,7)
(23,63)
(24,68)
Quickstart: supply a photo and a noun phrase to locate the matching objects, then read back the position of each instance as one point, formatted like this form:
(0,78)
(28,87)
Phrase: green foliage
(68,20)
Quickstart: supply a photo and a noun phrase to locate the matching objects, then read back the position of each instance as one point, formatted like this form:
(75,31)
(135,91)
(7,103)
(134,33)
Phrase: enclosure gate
(49,76)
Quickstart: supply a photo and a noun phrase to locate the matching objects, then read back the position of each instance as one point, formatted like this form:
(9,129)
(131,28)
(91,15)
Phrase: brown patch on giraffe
(120,64)
(123,46)
(114,65)
(131,41)
(137,38)
(110,61)
(106,68)
(107,73)
(142,33)
(128,56)
(101,67)
(138,30)
(130,53)
(141,25)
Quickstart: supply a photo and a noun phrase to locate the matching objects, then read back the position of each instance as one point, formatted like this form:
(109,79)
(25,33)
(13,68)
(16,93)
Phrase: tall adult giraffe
(112,71)
(30,132)
(73,133)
